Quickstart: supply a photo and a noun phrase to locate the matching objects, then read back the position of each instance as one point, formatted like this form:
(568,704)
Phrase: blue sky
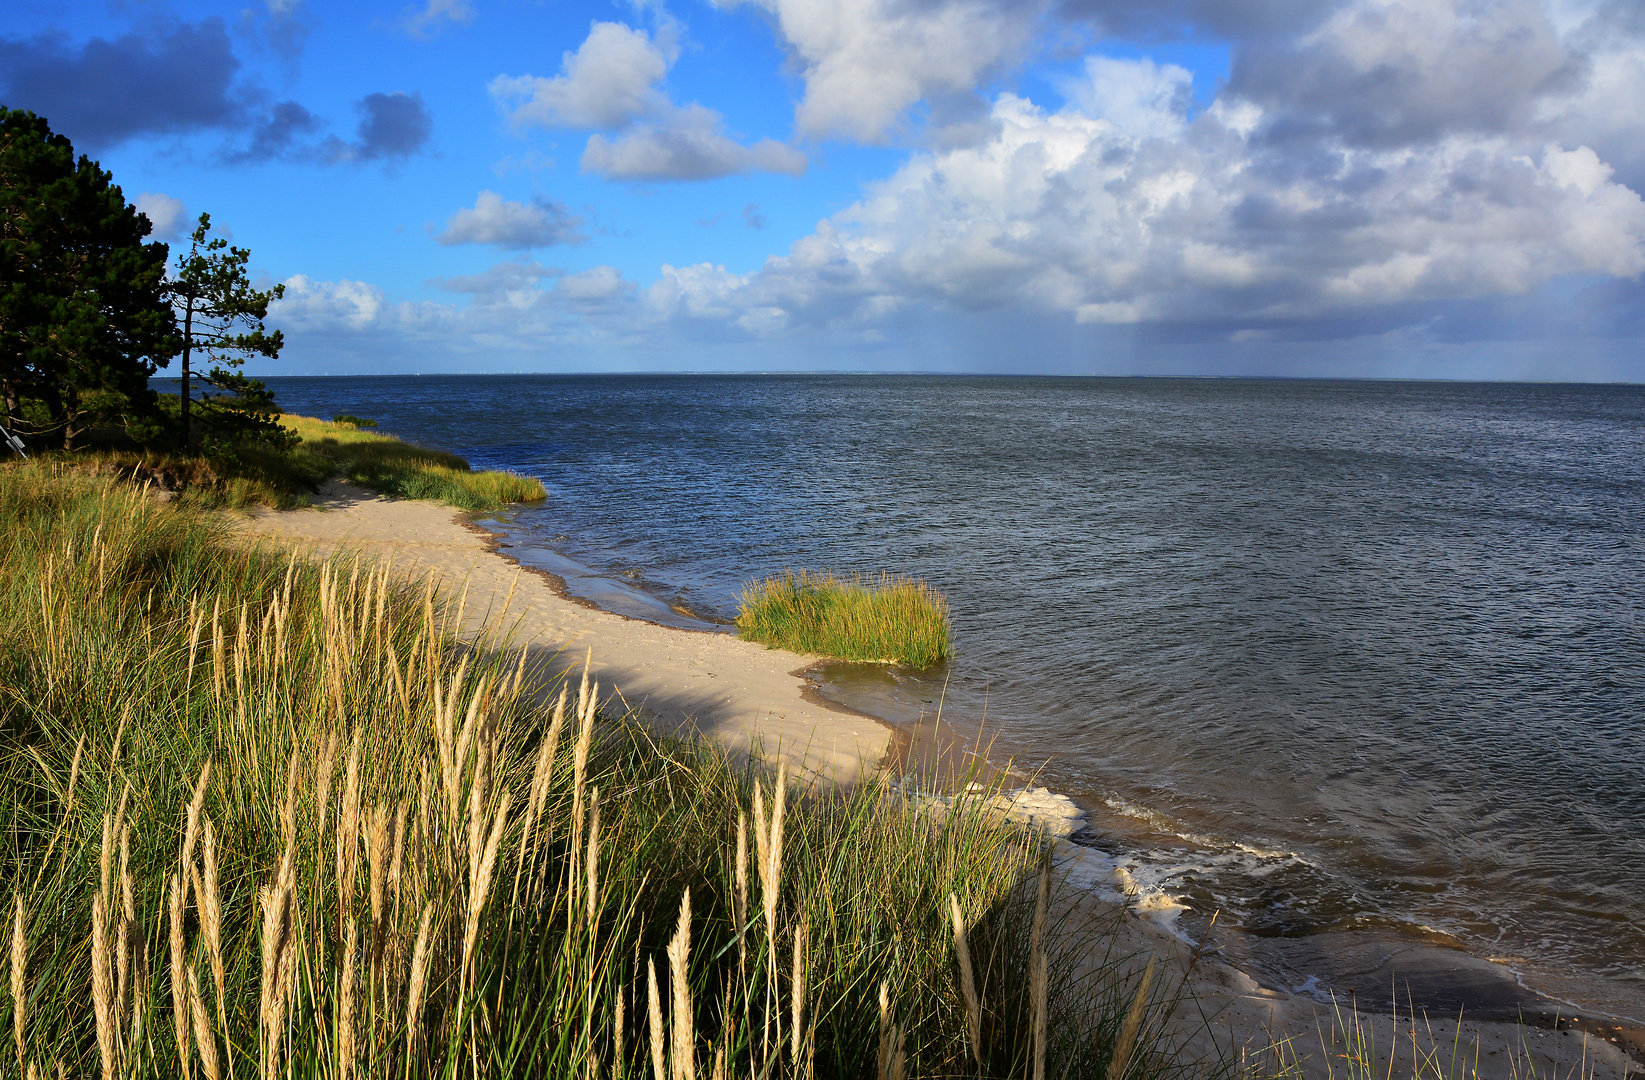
(1431,188)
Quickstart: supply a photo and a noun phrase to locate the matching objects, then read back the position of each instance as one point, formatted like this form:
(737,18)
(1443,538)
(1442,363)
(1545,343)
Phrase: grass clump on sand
(884,619)
(270,818)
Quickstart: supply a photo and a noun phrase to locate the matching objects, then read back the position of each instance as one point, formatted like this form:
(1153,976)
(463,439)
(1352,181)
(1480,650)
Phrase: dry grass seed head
(203,1037)
(655,1014)
(102,987)
(419,976)
(345,1007)
(176,897)
(796,988)
(683,1022)
(1127,1040)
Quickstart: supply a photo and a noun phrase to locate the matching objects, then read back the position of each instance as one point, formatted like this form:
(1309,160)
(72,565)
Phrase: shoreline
(737,693)
(767,697)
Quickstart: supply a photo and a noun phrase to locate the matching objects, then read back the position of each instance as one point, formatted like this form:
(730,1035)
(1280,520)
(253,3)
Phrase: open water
(1333,658)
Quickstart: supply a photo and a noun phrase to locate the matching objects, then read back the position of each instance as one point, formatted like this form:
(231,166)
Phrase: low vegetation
(270,818)
(288,472)
(386,464)
(885,619)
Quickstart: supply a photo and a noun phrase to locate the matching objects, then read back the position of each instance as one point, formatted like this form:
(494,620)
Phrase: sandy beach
(743,695)
(748,697)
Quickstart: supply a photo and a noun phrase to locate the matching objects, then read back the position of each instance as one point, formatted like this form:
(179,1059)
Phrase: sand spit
(736,692)
(744,695)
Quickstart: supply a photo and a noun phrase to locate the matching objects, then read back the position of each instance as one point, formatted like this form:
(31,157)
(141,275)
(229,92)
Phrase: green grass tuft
(885,619)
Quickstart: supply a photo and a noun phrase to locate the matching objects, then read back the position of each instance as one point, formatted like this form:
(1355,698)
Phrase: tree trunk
(14,405)
(59,415)
(188,345)
(71,416)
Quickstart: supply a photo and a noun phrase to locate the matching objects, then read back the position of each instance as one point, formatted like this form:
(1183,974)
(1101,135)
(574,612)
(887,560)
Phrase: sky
(1363,188)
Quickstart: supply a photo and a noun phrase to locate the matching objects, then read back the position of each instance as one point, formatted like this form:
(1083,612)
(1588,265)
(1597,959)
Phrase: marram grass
(885,619)
(272,819)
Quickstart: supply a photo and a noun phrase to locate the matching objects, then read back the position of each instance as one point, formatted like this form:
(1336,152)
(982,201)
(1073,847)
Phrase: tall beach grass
(885,619)
(273,819)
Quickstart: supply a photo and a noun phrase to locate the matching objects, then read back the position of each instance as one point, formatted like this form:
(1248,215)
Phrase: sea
(1358,667)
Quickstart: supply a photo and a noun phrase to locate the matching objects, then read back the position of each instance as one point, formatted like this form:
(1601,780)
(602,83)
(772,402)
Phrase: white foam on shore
(1163,823)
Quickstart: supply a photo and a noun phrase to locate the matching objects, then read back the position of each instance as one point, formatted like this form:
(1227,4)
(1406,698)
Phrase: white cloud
(168,215)
(309,304)
(606,83)
(593,286)
(1139,97)
(436,15)
(686,144)
(1065,212)
(609,84)
(513,225)
(867,62)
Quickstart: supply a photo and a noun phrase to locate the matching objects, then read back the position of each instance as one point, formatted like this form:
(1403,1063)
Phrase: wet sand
(750,698)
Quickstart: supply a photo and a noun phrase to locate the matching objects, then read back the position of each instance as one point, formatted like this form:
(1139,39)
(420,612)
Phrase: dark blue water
(1330,655)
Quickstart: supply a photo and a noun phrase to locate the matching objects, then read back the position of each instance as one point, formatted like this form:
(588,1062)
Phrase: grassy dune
(384,463)
(887,619)
(251,474)
(266,819)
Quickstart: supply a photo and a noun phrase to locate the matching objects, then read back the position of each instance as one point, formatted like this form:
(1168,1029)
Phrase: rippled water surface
(1328,655)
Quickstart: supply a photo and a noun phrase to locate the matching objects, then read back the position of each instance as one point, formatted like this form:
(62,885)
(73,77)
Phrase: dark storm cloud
(393,126)
(1376,75)
(284,132)
(1234,19)
(1385,76)
(178,79)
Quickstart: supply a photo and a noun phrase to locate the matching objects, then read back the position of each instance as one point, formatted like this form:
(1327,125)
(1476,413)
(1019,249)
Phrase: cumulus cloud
(610,84)
(168,215)
(177,79)
(512,225)
(1385,73)
(435,16)
(686,144)
(328,305)
(600,285)
(505,277)
(866,63)
(1068,212)
(607,82)
(1139,97)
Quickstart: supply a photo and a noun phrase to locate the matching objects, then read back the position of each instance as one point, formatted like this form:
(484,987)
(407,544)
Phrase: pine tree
(84,317)
(222,317)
